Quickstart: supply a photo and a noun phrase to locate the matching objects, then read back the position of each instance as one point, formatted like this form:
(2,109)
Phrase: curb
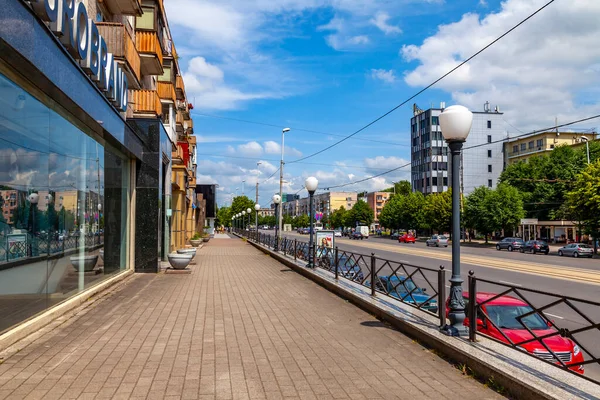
(521,375)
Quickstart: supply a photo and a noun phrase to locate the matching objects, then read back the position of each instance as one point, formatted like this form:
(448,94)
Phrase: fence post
(372,274)
(295,248)
(284,244)
(335,260)
(442,295)
(472,309)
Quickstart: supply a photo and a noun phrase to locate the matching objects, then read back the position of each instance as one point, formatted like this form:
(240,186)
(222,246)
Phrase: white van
(364,230)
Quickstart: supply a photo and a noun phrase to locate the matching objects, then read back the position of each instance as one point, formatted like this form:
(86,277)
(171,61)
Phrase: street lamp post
(248,211)
(311,184)
(587,147)
(456,122)
(276,201)
(243,219)
(256,208)
(283,132)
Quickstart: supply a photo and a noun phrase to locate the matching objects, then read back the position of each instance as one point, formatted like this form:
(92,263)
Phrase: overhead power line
(298,129)
(426,87)
(467,148)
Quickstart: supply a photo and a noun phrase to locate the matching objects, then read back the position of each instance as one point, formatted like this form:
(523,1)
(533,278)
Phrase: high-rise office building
(481,166)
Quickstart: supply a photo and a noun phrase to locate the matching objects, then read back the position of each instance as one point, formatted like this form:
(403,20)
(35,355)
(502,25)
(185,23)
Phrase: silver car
(576,250)
(437,241)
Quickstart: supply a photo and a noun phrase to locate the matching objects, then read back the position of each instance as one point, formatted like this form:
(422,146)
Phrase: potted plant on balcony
(196,239)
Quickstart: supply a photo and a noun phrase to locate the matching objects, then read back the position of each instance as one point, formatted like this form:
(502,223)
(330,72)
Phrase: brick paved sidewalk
(241,326)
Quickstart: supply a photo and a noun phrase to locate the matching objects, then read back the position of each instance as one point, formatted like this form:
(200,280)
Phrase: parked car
(437,241)
(510,244)
(535,246)
(405,289)
(357,235)
(406,238)
(394,236)
(576,250)
(505,311)
(337,233)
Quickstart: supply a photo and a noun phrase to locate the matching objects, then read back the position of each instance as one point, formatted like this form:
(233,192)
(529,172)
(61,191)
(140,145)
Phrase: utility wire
(467,148)
(266,180)
(298,129)
(426,87)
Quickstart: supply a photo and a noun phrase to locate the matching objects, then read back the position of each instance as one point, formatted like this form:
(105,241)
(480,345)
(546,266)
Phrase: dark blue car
(347,267)
(405,289)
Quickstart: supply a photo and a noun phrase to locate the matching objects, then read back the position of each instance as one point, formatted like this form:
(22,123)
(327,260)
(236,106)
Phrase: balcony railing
(166,91)
(180,87)
(121,45)
(148,46)
(146,101)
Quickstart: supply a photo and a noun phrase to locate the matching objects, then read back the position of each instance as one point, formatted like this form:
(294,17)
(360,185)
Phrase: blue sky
(334,65)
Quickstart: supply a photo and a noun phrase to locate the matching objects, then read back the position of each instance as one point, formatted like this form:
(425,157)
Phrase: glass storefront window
(64,198)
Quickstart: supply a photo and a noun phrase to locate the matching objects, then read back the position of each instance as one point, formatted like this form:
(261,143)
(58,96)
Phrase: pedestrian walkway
(240,326)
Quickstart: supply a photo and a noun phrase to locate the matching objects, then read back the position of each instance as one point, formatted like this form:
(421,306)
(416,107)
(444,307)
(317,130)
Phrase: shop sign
(68,20)
(529,221)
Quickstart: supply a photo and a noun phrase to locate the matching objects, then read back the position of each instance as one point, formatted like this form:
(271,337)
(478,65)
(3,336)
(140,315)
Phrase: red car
(504,311)
(406,238)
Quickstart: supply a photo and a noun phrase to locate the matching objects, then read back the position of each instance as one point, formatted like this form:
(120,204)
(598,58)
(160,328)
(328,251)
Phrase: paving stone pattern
(241,326)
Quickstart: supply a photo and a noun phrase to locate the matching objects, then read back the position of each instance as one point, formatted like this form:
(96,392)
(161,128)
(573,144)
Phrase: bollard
(442,295)
(372,274)
(472,308)
(335,260)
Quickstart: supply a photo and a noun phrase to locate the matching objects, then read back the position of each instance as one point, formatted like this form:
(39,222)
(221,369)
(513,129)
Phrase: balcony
(146,102)
(150,53)
(166,91)
(179,124)
(180,88)
(126,7)
(121,45)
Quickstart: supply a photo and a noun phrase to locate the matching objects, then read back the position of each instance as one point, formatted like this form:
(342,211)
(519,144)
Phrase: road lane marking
(554,315)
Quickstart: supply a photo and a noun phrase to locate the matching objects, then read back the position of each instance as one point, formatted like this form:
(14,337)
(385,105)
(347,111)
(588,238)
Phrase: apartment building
(523,148)
(326,203)
(481,165)
(101,98)
(376,200)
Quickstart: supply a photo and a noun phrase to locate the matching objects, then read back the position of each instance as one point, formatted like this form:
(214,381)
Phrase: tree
(584,199)
(224,215)
(475,214)
(505,206)
(301,221)
(437,211)
(411,210)
(241,203)
(401,188)
(338,217)
(360,214)
(389,216)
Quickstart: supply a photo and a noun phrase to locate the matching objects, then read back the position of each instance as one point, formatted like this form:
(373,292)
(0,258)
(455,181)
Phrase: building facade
(481,165)
(88,129)
(523,148)
(376,200)
(326,203)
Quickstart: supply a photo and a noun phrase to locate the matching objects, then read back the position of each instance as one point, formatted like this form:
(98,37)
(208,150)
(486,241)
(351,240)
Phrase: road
(567,276)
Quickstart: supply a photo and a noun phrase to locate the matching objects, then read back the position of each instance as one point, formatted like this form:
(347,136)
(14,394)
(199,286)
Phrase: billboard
(325,239)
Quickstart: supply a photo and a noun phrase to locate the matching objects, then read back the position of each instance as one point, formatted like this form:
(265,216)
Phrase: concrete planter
(101,252)
(191,251)
(206,239)
(179,261)
(84,263)
(195,243)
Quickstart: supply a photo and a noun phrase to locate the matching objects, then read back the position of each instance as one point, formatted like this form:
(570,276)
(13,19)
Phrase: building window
(445,181)
(523,147)
(489,168)
(489,183)
(435,120)
(540,142)
(489,154)
(489,124)
(531,144)
(434,181)
(515,148)
(489,138)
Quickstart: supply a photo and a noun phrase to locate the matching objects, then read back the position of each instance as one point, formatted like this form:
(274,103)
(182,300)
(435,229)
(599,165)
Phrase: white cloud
(272,147)
(534,74)
(381,21)
(383,75)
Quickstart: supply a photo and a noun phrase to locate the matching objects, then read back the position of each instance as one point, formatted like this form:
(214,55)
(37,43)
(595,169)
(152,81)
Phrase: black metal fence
(415,286)
(560,330)
(35,246)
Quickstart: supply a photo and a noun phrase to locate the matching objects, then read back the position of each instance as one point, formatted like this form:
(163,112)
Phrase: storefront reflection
(63,207)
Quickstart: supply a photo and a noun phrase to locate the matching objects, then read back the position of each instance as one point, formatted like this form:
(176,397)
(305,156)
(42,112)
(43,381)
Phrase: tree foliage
(403,211)
(360,214)
(241,203)
(401,188)
(583,201)
(437,211)
(338,217)
(224,215)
